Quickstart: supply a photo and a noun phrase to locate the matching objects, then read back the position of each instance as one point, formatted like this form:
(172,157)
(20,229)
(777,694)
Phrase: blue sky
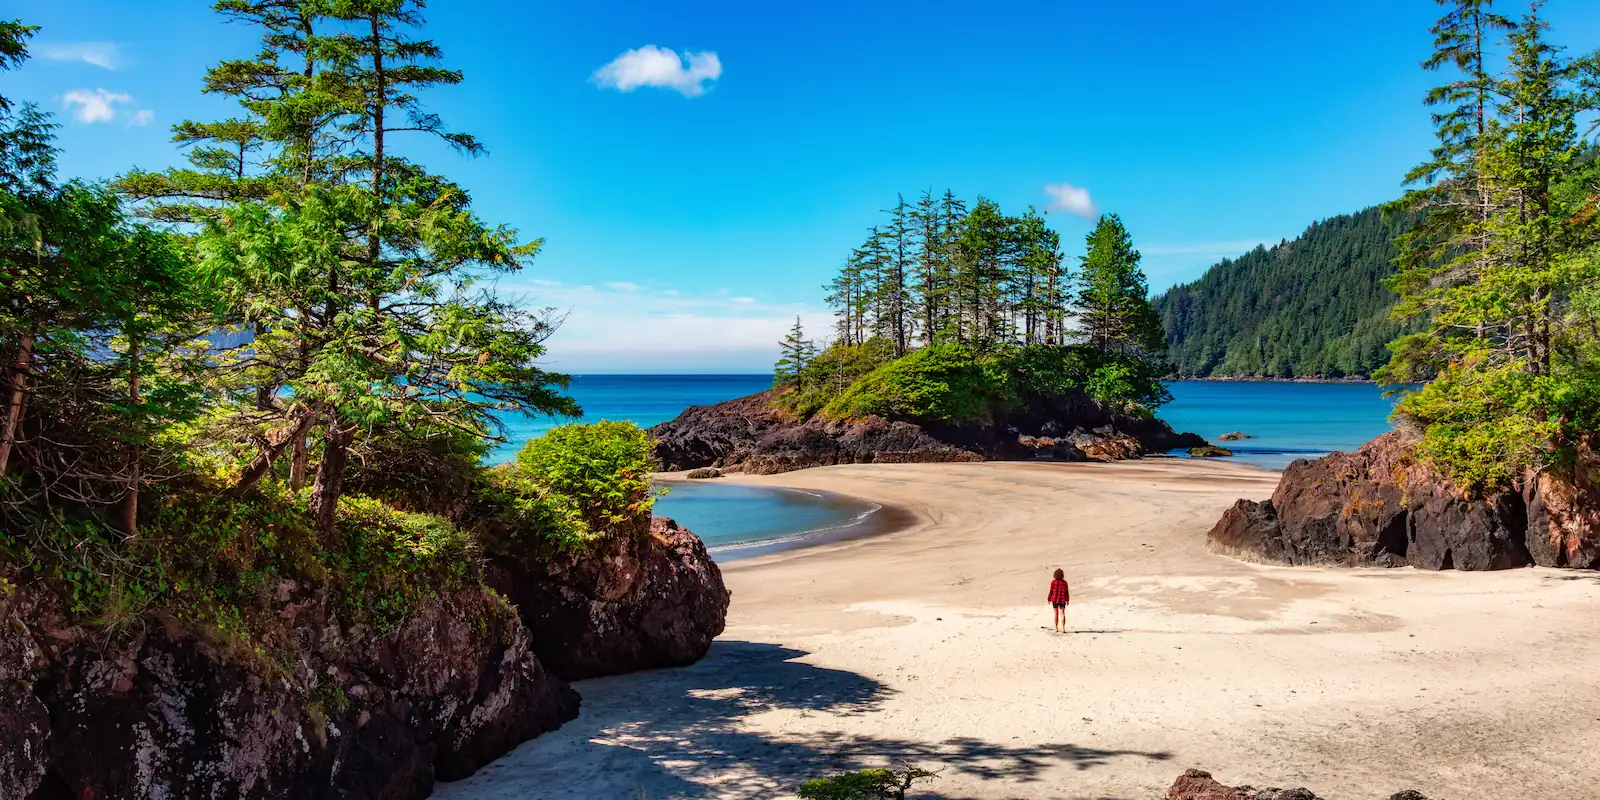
(687,224)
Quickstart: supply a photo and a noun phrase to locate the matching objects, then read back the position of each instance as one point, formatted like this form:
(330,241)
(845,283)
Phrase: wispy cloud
(650,329)
(1069,199)
(141,118)
(624,286)
(93,106)
(106,55)
(660,67)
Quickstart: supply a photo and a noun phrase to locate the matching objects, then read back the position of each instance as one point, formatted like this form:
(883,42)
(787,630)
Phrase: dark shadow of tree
(677,733)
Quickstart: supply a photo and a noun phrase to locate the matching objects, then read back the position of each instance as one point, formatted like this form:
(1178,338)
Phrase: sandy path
(932,646)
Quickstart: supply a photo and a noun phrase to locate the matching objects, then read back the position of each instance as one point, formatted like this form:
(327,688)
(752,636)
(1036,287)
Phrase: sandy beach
(932,645)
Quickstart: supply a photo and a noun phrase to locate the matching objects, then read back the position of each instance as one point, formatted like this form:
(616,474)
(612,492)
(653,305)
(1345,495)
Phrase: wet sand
(931,645)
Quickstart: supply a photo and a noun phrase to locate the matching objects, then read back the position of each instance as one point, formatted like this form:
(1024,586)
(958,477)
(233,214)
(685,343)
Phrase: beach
(931,645)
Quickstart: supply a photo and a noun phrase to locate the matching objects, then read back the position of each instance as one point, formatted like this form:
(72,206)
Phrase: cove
(737,521)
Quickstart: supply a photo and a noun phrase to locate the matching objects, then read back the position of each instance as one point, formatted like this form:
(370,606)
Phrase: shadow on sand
(677,733)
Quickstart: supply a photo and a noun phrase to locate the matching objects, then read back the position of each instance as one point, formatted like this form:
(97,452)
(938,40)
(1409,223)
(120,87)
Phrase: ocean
(1285,420)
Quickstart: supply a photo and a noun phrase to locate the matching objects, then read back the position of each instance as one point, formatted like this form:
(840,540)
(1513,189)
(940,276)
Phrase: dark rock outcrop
(1564,514)
(1234,436)
(166,709)
(1379,506)
(642,599)
(1210,451)
(1196,784)
(703,473)
(752,434)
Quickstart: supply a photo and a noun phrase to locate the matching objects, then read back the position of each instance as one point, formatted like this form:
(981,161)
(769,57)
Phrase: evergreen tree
(1112,301)
(796,352)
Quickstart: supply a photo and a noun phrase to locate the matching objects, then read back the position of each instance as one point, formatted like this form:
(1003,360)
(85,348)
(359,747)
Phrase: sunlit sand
(933,645)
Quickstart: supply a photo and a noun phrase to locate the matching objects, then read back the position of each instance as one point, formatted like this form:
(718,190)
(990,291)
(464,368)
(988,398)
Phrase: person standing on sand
(1059,597)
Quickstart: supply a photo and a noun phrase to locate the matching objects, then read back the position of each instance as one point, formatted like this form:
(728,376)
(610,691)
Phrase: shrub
(942,382)
(868,784)
(575,482)
(830,373)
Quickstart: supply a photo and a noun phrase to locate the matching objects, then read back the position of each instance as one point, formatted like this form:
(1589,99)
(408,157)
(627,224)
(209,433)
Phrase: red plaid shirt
(1058,592)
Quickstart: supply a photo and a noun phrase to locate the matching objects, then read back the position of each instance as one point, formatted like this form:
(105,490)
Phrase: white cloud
(141,118)
(662,68)
(90,107)
(105,55)
(1070,199)
(624,286)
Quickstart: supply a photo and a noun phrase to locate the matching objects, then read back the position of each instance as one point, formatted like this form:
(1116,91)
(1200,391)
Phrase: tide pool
(735,520)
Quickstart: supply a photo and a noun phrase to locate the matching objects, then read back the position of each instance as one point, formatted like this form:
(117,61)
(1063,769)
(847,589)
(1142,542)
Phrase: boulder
(1234,436)
(703,473)
(1195,784)
(1106,445)
(1376,507)
(1564,513)
(645,597)
(1210,451)
(166,709)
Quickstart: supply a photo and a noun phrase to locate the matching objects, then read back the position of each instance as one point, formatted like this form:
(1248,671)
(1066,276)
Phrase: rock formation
(1378,506)
(753,435)
(640,600)
(167,709)
(1195,784)
(1210,451)
(162,708)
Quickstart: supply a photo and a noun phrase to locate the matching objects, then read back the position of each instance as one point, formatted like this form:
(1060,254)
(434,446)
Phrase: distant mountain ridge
(1312,307)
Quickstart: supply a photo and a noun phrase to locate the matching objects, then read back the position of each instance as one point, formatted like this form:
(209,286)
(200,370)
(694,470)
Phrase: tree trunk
(264,459)
(130,503)
(298,461)
(19,392)
(325,490)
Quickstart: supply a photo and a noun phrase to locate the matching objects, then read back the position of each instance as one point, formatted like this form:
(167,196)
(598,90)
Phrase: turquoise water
(726,515)
(1288,421)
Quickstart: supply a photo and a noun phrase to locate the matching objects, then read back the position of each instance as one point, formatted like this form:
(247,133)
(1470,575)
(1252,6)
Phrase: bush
(830,373)
(943,382)
(573,484)
(868,784)
(1484,428)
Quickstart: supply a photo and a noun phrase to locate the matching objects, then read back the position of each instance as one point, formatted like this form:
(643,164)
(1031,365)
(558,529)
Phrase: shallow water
(1287,420)
(736,521)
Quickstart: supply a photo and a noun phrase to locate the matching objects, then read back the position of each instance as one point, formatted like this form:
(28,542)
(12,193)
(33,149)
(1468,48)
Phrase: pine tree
(795,353)
(1112,302)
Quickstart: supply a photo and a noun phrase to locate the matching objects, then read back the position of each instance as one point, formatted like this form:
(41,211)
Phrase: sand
(932,646)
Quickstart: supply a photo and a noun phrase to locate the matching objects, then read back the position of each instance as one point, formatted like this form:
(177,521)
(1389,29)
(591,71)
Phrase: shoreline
(931,646)
(881,519)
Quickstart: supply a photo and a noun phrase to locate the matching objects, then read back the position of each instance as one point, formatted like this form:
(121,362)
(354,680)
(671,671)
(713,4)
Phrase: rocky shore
(1378,506)
(753,435)
(1197,784)
(155,707)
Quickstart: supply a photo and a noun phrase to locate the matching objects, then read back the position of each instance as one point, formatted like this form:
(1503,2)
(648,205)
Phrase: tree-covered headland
(283,361)
(1501,275)
(954,314)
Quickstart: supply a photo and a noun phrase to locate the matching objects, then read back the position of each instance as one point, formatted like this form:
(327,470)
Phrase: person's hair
(1060,576)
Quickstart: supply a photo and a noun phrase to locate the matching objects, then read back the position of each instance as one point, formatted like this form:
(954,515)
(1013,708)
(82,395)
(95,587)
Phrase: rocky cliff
(754,435)
(155,707)
(1378,506)
(649,599)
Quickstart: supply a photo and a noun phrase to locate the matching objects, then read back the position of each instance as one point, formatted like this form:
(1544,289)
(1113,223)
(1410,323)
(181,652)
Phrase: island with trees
(961,334)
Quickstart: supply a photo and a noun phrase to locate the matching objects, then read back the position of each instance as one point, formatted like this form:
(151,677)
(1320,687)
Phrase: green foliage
(1113,304)
(943,382)
(1500,276)
(829,373)
(1316,306)
(949,382)
(577,481)
(867,784)
(796,352)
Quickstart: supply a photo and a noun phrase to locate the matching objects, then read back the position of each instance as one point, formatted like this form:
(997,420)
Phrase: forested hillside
(1315,306)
